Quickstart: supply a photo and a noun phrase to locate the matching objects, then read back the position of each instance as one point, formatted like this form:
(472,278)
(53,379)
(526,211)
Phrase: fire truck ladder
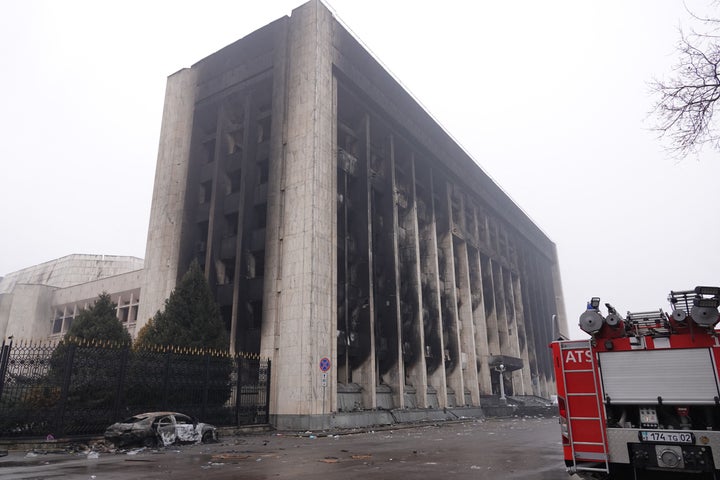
(584,460)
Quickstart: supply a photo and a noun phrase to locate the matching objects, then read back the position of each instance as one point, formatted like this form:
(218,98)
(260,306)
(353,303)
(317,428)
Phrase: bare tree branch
(686,102)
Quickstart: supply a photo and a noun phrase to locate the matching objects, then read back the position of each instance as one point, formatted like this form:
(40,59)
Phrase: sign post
(324,368)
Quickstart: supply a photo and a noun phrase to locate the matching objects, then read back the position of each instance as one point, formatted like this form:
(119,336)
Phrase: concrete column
(548,310)
(491,315)
(540,330)
(436,378)
(306,302)
(562,324)
(466,321)
(6,300)
(240,234)
(501,309)
(275,228)
(162,250)
(491,321)
(451,327)
(367,372)
(514,331)
(399,374)
(418,373)
(482,352)
(29,312)
(215,214)
(529,318)
(522,335)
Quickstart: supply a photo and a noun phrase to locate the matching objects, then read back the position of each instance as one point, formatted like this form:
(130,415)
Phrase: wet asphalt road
(513,448)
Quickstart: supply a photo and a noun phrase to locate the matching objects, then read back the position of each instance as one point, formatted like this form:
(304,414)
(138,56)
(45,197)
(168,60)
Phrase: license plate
(659,436)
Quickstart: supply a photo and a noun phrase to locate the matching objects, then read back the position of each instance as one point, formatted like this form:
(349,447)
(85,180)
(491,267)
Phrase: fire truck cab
(641,397)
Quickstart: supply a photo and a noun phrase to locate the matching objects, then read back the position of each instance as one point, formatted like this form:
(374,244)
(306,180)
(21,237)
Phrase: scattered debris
(361,457)
(230,456)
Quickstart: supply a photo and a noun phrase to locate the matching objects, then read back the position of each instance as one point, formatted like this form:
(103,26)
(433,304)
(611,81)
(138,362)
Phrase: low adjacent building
(38,303)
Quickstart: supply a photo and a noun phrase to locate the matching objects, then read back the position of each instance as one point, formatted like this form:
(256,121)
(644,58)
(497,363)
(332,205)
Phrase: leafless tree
(685,107)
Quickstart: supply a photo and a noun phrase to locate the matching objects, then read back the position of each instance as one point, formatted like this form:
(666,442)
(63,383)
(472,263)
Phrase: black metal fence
(76,388)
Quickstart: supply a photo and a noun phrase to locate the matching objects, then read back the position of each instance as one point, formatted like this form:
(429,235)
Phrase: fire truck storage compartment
(678,376)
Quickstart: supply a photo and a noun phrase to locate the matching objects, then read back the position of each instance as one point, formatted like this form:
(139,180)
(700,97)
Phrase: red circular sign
(324,364)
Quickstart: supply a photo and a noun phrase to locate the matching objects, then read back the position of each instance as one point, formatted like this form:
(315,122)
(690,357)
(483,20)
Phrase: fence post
(237,390)
(119,400)
(67,374)
(206,386)
(4,362)
(267,393)
(166,379)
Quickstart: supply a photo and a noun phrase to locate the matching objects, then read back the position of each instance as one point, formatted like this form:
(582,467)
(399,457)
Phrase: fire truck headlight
(591,321)
(704,316)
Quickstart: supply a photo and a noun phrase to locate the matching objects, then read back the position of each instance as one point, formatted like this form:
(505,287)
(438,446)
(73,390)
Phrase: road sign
(324,379)
(324,364)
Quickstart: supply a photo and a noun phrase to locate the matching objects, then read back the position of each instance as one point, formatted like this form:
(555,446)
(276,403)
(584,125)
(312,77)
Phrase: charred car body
(159,428)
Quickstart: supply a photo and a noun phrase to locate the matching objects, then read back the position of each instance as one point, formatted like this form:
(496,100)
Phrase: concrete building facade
(347,237)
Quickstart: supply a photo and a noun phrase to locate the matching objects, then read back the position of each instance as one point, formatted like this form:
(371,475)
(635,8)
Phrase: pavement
(518,447)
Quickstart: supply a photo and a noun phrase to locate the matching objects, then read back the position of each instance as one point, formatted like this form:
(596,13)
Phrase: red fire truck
(640,398)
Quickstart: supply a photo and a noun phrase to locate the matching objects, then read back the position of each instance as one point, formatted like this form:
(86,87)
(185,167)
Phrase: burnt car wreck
(159,429)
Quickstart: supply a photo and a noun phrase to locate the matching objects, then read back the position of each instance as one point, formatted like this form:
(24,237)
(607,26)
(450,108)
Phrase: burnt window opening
(225,271)
(202,237)
(255,320)
(263,129)
(205,192)
(492,227)
(259,263)
(469,218)
(255,264)
(234,181)
(209,151)
(482,226)
(234,141)
(502,242)
(231,225)
(261,216)
(455,211)
(263,171)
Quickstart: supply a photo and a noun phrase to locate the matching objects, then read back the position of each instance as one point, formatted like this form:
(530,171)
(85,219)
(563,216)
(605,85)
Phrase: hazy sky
(550,98)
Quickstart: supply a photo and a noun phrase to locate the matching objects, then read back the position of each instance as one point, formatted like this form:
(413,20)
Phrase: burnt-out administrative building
(347,237)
